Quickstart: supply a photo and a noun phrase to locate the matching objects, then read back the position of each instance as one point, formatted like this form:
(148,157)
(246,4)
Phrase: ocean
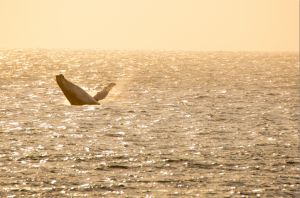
(177,124)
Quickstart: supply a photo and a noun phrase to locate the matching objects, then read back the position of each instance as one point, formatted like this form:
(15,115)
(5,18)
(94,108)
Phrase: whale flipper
(102,94)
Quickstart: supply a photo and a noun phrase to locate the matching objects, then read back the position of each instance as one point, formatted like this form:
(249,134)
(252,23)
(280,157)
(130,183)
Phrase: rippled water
(178,124)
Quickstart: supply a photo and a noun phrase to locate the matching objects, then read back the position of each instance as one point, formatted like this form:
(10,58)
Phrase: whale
(77,96)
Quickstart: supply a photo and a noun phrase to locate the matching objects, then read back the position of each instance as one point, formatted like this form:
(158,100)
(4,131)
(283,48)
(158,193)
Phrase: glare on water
(208,124)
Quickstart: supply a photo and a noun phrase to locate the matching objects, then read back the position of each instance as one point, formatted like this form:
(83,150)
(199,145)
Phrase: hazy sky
(262,25)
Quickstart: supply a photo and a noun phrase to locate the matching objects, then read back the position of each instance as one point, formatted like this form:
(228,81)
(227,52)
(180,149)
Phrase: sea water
(177,124)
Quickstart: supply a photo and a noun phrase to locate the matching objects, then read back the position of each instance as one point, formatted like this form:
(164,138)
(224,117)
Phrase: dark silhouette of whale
(77,96)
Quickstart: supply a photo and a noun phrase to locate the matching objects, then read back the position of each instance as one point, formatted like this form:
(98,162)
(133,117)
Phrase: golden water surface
(178,124)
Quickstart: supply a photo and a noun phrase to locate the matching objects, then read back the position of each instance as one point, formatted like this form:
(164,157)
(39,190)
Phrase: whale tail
(102,94)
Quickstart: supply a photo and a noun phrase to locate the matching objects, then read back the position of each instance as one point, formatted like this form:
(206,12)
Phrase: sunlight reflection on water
(177,124)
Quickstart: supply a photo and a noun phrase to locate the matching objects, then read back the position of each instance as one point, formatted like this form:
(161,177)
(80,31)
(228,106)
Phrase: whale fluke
(77,96)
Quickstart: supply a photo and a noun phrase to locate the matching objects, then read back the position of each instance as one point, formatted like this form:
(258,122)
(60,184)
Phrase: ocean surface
(177,124)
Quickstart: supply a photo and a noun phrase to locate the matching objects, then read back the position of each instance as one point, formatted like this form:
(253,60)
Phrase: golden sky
(247,25)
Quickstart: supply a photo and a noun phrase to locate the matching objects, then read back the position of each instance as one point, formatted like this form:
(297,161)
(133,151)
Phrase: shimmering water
(178,124)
